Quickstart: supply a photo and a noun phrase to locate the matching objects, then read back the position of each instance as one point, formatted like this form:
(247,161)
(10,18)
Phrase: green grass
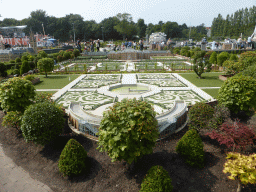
(54,81)
(213,92)
(209,79)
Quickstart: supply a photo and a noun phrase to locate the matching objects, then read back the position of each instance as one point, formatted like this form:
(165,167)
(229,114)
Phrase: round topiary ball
(199,115)
(191,147)
(42,122)
(72,159)
(157,179)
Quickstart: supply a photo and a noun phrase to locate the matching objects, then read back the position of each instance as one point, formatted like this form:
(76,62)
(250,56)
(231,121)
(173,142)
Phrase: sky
(191,12)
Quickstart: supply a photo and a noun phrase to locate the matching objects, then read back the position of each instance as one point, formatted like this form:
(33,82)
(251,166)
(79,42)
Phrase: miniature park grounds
(163,81)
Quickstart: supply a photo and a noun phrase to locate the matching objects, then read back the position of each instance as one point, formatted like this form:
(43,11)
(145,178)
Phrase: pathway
(14,178)
(129,79)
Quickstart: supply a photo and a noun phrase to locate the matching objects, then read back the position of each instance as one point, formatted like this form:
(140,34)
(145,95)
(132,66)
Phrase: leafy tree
(141,28)
(25,67)
(46,65)
(233,57)
(16,94)
(42,122)
(72,159)
(42,54)
(128,130)
(157,179)
(238,93)
(200,64)
(250,71)
(234,135)
(241,168)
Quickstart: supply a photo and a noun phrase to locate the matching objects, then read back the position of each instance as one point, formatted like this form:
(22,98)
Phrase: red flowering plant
(235,135)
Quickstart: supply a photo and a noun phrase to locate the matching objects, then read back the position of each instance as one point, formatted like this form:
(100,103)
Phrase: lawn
(213,92)
(54,81)
(209,79)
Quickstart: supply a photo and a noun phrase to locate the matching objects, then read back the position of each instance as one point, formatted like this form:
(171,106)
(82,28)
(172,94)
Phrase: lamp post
(74,33)
(102,34)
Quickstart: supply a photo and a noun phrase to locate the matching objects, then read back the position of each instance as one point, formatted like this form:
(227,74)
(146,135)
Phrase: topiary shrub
(76,52)
(17,60)
(25,67)
(72,159)
(222,57)
(238,93)
(157,179)
(250,71)
(233,57)
(128,130)
(67,55)
(199,115)
(42,122)
(16,94)
(191,147)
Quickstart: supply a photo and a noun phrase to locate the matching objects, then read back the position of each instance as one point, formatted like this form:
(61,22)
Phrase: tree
(222,57)
(46,65)
(141,28)
(238,93)
(234,135)
(200,64)
(72,159)
(16,94)
(42,122)
(128,130)
(125,26)
(241,168)
(25,67)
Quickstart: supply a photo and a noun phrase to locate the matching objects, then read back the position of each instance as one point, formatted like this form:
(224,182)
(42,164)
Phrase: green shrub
(67,55)
(238,93)
(17,60)
(43,97)
(41,54)
(29,77)
(222,57)
(221,114)
(13,119)
(128,130)
(2,69)
(233,57)
(232,67)
(42,122)
(191,147)
(25,67)
(157,179)
(24,58)
(16,94)
(11,61)
(213,58)
(250,71)
(199,115)
(76,52)
(72,159)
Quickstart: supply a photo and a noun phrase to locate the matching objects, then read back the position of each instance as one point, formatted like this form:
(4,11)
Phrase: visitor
(249,41)
(98,45)
(141,45)
(79,45)
(92,46)
(239,40)
(134,44)
(125,44)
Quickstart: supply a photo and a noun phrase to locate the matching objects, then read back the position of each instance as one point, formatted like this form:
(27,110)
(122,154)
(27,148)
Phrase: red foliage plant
(234,135)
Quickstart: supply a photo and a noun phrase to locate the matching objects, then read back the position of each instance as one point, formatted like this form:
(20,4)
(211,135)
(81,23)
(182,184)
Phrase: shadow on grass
(55,77)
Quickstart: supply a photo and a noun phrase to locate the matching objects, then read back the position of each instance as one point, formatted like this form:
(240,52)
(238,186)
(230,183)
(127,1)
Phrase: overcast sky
(194,12)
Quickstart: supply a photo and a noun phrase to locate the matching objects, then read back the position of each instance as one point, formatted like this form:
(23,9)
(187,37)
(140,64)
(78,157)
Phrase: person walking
(98,45)
(134,44)
(249,42)
(92,46)
(141,45)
